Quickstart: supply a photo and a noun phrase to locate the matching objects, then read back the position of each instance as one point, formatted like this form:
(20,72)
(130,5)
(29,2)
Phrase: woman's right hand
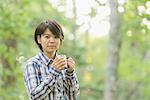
(59,63)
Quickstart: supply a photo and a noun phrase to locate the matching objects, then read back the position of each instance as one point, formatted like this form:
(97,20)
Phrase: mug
(64,57)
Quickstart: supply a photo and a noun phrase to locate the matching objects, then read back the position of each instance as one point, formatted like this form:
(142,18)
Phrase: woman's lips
(51,46)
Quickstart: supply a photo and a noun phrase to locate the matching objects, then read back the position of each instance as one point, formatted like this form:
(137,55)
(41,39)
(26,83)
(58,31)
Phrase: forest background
(109,39)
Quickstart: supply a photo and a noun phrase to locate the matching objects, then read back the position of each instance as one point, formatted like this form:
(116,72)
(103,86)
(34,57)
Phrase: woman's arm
(72,82)
(37,89)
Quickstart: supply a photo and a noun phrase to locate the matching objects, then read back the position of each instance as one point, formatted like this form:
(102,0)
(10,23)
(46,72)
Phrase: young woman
(47,75)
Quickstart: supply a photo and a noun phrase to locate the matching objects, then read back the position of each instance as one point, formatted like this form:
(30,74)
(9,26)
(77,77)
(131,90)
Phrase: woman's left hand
(70,64)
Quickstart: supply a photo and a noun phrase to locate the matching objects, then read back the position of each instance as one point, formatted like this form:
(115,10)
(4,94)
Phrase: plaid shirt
(44,82)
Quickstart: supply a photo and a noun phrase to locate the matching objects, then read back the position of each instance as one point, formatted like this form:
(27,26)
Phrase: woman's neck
(50,55)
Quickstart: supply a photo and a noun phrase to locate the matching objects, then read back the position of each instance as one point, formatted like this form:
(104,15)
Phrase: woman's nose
(51,39)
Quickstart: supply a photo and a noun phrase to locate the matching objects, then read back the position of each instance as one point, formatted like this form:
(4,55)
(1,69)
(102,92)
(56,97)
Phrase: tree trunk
(74,28)
(113,53)
(8,79)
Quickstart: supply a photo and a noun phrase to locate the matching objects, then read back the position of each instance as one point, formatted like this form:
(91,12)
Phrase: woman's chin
(51,50)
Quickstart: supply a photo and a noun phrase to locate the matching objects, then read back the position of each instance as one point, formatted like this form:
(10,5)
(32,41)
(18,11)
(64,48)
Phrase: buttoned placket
(59,81)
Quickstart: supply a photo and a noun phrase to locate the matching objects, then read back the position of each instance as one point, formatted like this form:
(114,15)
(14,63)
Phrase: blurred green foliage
(18,21)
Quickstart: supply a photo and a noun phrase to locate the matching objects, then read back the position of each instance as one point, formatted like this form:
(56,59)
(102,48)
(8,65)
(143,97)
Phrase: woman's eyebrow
(46,34)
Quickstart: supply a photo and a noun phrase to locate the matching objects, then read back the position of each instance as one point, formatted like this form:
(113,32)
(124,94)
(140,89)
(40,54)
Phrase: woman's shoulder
(32,60)
(31,64)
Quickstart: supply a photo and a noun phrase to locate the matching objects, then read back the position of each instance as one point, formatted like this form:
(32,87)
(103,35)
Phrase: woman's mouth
(51,46)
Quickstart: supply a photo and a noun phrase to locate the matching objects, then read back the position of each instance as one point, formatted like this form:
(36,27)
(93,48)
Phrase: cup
(64,57)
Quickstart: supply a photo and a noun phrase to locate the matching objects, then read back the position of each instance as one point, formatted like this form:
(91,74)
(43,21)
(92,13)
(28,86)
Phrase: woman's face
(49,42)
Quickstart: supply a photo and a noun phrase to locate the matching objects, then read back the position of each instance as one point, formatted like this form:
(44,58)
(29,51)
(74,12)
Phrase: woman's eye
(55,37)
(46,36)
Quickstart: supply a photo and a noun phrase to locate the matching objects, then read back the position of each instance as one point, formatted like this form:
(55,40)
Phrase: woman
(49,76)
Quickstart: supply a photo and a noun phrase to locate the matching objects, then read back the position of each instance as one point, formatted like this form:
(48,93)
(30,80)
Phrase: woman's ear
(39,39)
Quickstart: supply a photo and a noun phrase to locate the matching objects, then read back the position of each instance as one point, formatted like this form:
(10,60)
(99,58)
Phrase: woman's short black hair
(53,26)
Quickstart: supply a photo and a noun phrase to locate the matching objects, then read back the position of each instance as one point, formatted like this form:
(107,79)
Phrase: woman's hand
(70,64)
(59,63)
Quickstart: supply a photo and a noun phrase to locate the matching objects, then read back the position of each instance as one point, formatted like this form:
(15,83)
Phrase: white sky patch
(102,1)
(55,3)
(103,12)
(121,9)
(61,8)
(99,29)
(148,4)
(121,2)
(69,9)
(97,25)
(84,6)
(83,19)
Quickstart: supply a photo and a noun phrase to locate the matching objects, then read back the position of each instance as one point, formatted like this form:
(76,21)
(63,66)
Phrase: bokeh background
(109,39)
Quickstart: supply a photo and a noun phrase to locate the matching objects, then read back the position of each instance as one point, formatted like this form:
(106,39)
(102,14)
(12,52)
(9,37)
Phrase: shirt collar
(44,58)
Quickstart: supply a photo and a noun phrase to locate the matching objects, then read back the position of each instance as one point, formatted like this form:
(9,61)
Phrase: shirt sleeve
(73,84)
(38,90)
